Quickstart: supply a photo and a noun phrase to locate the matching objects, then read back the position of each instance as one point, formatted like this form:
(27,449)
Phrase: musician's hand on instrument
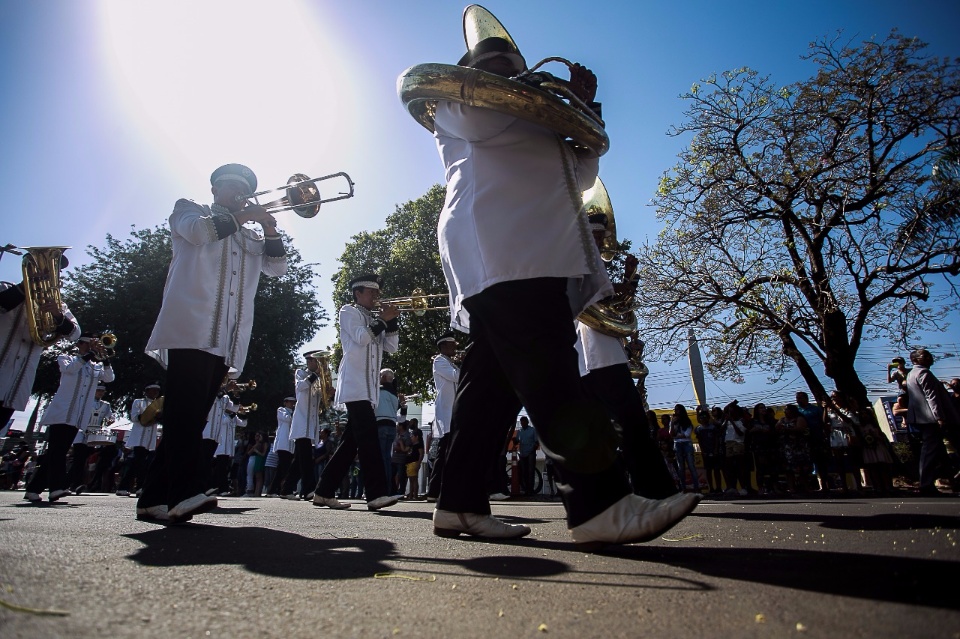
(389,312)
(583,82)
(53,308)
(269,225)
(253,213)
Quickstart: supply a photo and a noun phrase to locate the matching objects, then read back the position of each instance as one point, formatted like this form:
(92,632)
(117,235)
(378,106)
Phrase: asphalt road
(274,568)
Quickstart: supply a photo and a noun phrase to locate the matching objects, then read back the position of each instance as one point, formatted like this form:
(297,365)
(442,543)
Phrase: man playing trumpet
(68,410)
(365,337)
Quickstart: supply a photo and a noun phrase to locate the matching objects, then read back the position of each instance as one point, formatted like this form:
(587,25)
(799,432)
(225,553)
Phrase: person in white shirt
(69,409)
(19,354)
(305,427)
(365,337)
(203,329)
(512,233)
(100,415)
(446,372)
(141,441)
(605,371)
(218,436)
(282,445)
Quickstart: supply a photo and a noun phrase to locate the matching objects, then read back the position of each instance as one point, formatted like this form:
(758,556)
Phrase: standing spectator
(843,422)
(877,457)
(398,458)
(897,372)
(794,448)
(527,448)
(413,463)
(711,443)
(736,470)
(816,440)
(681,428)
(664,439)
(932,411)
(763,444)
(257,458)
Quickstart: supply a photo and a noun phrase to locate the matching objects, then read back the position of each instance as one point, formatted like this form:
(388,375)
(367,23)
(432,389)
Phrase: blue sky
(113,110)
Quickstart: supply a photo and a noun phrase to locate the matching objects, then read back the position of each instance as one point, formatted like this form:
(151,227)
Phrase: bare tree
(803,219)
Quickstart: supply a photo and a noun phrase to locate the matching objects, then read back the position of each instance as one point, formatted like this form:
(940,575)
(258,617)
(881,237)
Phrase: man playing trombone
(365,337)
(204,329)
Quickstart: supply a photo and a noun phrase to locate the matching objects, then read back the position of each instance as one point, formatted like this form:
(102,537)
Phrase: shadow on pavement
(293,556)
(922,582)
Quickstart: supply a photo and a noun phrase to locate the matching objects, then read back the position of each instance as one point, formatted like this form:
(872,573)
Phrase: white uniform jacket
(100,415)
(597,350)
(214,425)
(77,392)
(445,377)
(359,373)
(513,208)
(282,440)
(211,285)
(20,355)
(306,415)
(140,435)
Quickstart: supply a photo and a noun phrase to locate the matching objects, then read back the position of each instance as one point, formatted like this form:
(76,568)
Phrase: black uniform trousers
(516,358)
(51,471)
(302,468)
(284,458)
(361,435)
(105,458)
(436,471)
(614,387)
(136,469)
(78,466)
(193,380)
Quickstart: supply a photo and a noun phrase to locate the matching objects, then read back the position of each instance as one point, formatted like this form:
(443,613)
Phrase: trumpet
(243,411)
(416,303)
(108,341)
(303,196)
(248,386)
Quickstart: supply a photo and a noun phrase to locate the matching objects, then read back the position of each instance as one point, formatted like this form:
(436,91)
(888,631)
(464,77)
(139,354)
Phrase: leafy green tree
(406,255)
(803,219)
(121,289)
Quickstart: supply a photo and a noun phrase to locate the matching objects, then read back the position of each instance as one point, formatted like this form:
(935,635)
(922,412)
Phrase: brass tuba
(41,284)
(616,314)
(325,381)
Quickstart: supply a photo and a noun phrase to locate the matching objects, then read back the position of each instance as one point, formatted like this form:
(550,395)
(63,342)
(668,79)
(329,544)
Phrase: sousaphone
(533,96)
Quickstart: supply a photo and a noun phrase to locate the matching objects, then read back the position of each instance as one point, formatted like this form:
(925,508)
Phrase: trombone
(303,196)
(416,303)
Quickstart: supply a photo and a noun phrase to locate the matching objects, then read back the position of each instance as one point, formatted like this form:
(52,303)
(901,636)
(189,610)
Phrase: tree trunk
(806,371)
(840,358)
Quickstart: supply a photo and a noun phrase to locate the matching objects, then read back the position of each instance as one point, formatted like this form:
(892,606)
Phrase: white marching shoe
(329,502)
(634,519)
(450,524)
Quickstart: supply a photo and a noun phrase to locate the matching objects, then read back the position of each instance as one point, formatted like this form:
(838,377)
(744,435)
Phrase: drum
(101,437)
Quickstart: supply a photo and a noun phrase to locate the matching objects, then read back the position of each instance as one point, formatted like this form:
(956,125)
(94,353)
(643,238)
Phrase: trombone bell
(303,195)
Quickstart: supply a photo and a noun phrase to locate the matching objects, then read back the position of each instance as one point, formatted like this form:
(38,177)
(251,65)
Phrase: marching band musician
(203,329)
(605,372)
(446,373)
(218,436)
(365,337)
(100,415)
(69,409)
(20,355)
(511,231)
(142,440)
(282,445)
(304,429)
